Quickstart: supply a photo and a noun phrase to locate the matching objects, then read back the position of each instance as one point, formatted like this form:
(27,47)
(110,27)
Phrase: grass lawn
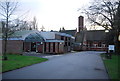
(18,61)
(0,57)
(112,66)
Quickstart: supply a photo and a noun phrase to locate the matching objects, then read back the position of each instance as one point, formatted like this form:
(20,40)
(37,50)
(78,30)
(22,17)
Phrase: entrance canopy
(27,36)
(34,37)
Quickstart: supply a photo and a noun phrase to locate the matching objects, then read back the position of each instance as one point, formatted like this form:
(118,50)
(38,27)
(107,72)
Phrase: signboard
(111,47)
(80,44)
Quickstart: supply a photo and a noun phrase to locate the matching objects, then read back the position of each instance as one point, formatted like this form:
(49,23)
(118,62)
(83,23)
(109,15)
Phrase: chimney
(80,23)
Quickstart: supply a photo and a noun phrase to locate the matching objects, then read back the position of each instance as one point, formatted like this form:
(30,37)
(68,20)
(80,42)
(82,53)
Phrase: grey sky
(53,14)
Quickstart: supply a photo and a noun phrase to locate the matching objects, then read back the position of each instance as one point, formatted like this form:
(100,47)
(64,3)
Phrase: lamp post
(119,42)
(106,31)
(107,38)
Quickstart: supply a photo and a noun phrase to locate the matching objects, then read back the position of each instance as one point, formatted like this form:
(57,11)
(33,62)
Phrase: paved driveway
(79,65)
(48,56)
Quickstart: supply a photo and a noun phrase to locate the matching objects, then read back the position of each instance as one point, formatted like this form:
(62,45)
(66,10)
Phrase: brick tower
(80,23)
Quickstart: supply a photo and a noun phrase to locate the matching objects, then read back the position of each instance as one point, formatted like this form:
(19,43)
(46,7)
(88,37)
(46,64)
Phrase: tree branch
(3,15)
(12,10)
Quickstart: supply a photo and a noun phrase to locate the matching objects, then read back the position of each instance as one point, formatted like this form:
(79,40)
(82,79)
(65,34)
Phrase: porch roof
(27,36)
(34,37)
(54,41)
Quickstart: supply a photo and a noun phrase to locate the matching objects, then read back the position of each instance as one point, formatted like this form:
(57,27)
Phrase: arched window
(99,44)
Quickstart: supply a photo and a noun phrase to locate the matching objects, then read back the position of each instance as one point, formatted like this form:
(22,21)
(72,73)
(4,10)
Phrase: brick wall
(56,47)
(27,46)
(51,47)
(61,48)
(97,46)
(14,46)
(57,37)
(47,47)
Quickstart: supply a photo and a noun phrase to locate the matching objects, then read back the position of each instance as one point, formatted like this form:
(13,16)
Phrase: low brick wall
(13,46)
(98,49)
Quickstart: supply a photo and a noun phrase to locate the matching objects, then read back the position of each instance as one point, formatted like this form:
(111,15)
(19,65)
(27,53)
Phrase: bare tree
(104,14)
(117,29)
(22,25)
(42,28)
(7,9)
(26,25)
(35,27)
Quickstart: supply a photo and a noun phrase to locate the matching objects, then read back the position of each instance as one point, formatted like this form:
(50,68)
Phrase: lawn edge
(105,66)
(24,66)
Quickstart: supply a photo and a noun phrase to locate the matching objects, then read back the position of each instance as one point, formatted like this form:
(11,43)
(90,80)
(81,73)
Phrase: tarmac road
(78,65)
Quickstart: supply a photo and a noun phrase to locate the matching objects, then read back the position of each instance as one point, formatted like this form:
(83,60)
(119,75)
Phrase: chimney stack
(80,23)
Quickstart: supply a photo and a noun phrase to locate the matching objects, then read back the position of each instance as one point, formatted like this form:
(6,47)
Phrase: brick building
(22,41)
(89,39)
(56,42)
(36,41)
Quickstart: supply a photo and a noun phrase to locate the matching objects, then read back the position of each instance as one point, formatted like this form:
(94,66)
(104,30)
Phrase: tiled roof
(79,36)
(34,35)
(70,32)
(95,35)
(51,35)
(23,33)
(48,35)
(27,35)
(64,34)
(91,35)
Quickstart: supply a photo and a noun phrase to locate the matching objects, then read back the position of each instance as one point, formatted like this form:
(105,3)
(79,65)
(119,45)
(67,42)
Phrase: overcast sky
(53,14)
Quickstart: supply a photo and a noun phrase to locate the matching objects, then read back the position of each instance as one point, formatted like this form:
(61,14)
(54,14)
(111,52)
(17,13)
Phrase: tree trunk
(6,36)
(117,43)
(5,49)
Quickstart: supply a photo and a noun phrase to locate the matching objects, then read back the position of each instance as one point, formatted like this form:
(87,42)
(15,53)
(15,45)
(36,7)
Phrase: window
(44,46)
(91,44)
(69,38)
(87,45)
(53,46)
(68,43)
(65,38)
(103,45)
(23,47)
(95,45)
(99,44)
(33,46)
(62,37)
(65,43)
(49,46)
(58,46)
